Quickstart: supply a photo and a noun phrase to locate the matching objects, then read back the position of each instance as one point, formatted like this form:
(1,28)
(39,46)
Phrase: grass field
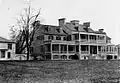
(84,71)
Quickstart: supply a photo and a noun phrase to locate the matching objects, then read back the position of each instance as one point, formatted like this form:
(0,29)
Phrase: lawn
(83,71)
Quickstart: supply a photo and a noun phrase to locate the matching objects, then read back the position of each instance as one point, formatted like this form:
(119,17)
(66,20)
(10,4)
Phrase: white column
(96,38)
(51,48)
(97,50)
(79,37)
(79,51)
(67,52)
(5,54)
(67,48)
(88,38)
(51,52)
(0,53)
(89,49)
(75,48)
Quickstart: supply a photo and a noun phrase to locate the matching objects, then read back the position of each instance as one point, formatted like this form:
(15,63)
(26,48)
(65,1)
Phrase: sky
(100,13)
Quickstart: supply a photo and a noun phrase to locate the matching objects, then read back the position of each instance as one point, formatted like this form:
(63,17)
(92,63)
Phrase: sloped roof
(81,28)
(108,38)
(69,27)
(5,40)
(49,29)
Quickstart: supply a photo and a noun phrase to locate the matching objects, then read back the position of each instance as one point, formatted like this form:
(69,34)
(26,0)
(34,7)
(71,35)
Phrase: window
(10,46)
(63,48)
(115,57)
(50,37)
(40,37)
(69,38)
(46,28)
(83,36)
(31,49)
(99,48)
(64,38)
(71,48)
(93,37)
(2,53)
(58,38)
(55,47)
(56,57)
(58,30)
(84,47)
(8,55)
(41,48)
(76,36)
(101,37)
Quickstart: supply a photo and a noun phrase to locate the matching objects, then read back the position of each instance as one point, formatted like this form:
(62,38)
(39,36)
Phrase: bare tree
(24,30)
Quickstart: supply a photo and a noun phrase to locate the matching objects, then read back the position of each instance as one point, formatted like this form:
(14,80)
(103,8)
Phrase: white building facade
(7,49)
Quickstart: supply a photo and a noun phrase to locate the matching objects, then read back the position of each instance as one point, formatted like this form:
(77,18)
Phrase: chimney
(101,30)
(61,21)
(75,22)
(86,24)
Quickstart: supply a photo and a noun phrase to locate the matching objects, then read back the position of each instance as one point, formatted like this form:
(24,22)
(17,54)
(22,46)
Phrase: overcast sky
(101,13)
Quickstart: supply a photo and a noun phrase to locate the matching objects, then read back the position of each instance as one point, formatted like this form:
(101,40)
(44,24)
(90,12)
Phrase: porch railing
(63,52)
(59,51)
(92,41)
(83,40)
(84,52)
(71,51)
(55,52)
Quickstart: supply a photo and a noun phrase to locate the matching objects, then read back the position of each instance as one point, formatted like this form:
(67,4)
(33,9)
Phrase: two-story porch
(85,38)
(61,51)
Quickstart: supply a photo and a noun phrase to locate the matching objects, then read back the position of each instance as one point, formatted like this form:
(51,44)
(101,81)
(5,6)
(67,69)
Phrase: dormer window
(58,30)
(76,28)
(58,38)
(69,38)
(46,28)
(64,38)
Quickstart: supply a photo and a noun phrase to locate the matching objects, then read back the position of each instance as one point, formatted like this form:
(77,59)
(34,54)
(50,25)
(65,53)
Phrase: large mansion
(71,40)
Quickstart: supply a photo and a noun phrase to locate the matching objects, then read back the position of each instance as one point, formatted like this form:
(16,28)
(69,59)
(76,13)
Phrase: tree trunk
(27,43)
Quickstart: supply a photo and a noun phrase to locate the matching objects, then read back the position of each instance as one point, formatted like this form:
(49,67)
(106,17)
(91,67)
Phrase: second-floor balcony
(101,41)
(62,52)
(92,41)
(59,52)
